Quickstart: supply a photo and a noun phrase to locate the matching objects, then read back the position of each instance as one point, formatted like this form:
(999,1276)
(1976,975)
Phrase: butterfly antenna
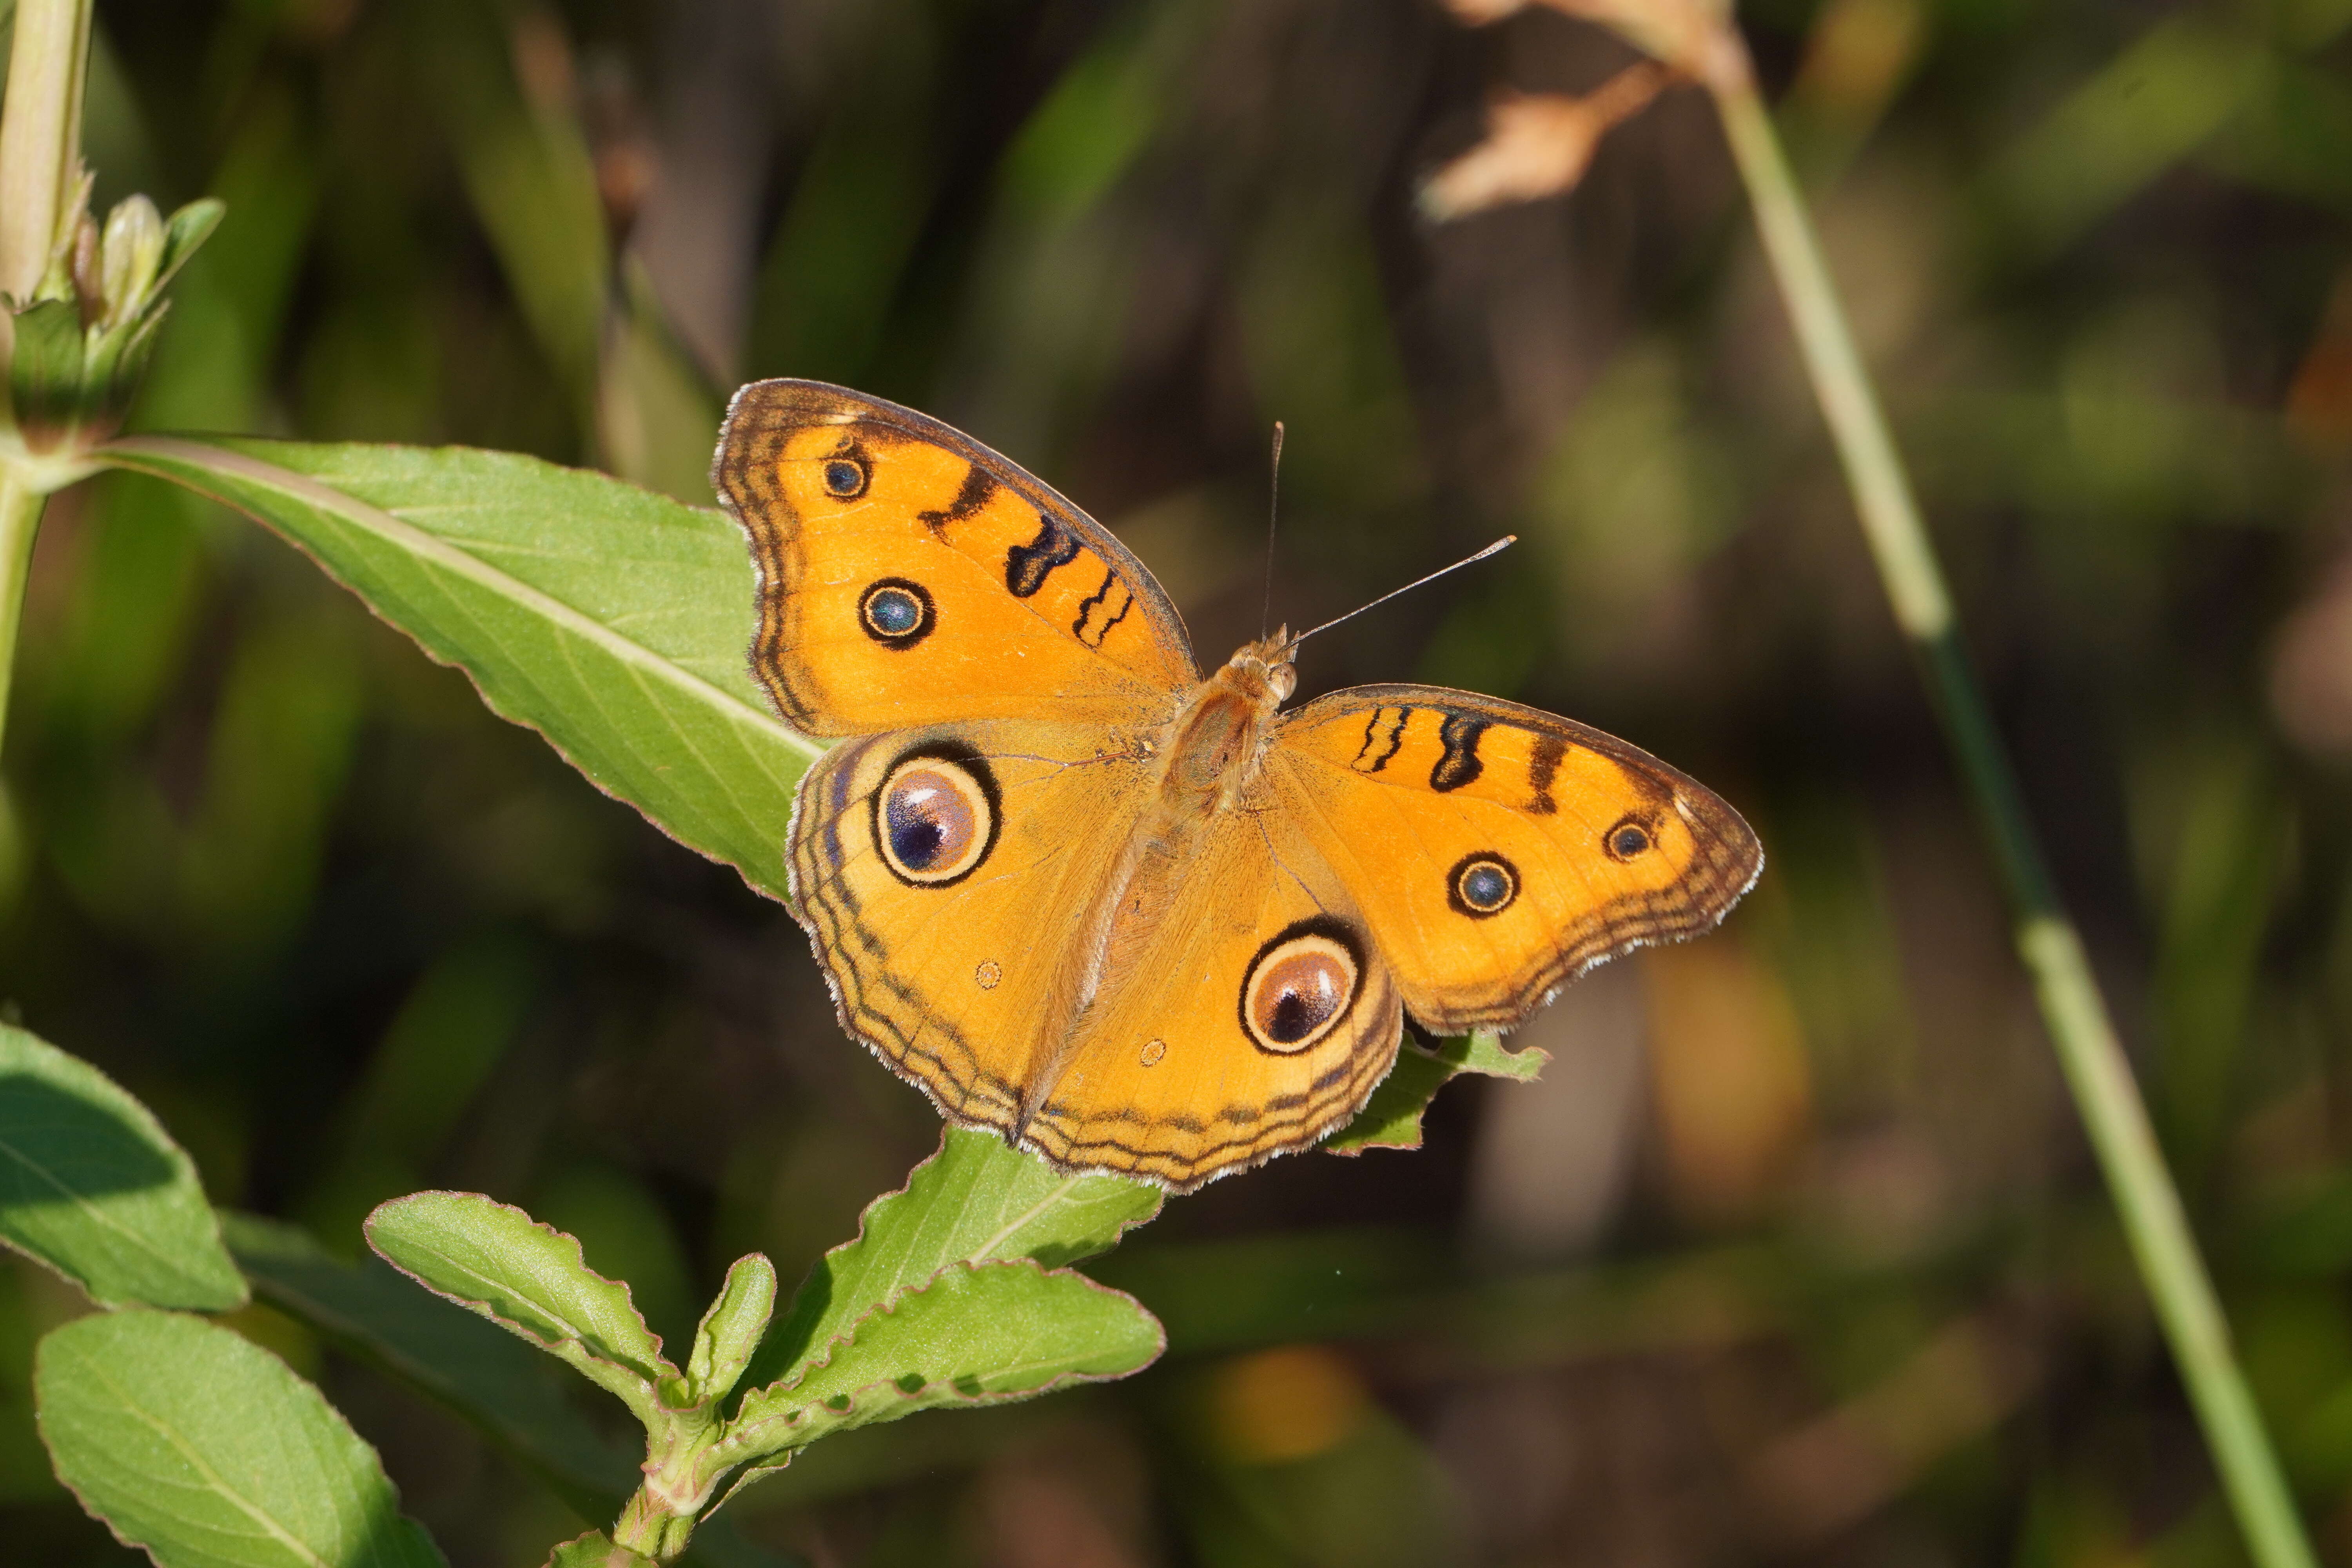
(1273,515)
(1502,544)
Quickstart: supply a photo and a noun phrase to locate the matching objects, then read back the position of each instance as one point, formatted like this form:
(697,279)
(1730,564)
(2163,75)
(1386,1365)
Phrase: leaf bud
(131,254)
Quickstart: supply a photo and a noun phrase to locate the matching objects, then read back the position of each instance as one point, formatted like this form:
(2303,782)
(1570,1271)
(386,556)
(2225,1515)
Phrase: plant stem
(651,1527)
(41,163)
(40,135)
(20,519)
(2072,1010)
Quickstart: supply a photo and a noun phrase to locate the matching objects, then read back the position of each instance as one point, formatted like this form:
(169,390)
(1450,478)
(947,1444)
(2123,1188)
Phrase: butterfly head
(1263,670)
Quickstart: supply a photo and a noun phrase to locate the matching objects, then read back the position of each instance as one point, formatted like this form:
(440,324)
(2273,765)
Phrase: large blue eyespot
(844,477)
(935,817)
(1482,884)
(895,612)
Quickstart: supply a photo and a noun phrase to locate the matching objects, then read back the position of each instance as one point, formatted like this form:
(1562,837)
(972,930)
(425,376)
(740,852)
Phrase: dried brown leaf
(1538,144)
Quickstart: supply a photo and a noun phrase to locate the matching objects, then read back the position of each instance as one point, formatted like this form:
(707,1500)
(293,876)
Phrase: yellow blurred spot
(1733,1084)
(1858,52)
(1282,1404)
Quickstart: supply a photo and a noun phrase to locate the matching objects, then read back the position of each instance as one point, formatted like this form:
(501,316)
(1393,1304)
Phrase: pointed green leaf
(612,620)
(1391,1118)
(529,1277)
(204,1449)
(976,1199)
(731,1330)
(92,1185)
(978,1333)
(184,232)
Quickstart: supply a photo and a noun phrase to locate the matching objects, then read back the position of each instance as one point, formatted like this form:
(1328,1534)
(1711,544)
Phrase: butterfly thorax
(1214,747)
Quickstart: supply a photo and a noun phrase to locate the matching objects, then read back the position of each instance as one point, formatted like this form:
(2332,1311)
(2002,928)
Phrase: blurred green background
(1796,1254)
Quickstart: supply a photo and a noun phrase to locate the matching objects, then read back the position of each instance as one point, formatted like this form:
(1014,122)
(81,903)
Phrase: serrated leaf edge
(866,1215)
(792,1419)
(1526,1064)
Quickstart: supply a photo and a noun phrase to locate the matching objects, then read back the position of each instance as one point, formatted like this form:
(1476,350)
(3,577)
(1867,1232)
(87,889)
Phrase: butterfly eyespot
(1628,838)
(1482,884)
(844,477)
(1152,1051)
(895,612)
(935,819)
(1300,986)
(987,975)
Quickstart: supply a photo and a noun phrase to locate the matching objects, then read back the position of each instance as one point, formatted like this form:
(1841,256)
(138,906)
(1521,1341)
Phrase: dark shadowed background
(1795,1254)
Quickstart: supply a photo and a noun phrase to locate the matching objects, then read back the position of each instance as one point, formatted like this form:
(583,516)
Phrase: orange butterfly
(1134,919)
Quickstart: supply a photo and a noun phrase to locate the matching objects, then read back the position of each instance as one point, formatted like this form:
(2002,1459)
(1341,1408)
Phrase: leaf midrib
(432,547)
(193,1458)
(592,1341)
(89,1207)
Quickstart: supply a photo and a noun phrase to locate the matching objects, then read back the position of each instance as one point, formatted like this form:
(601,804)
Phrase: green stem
(40,135)
(652,1527)
(2072,1008)
(20,519)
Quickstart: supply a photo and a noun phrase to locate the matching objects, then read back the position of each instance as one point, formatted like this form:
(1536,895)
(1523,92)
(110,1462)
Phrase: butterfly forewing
(909,575)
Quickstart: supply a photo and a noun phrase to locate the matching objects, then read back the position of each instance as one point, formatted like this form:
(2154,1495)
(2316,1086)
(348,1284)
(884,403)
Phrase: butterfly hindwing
(1253,1014)
(1498,850)
(910,576)
(942,955)
(963,885)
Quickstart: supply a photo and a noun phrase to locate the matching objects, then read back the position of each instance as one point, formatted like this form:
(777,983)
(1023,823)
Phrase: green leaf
(486,1375)
(204,1449)
(595,1550)
(731,1330)
(976,1200)
(1391,1118)
(92,1185)
(978,1333)
(184,231)
(46,375)
(529,1278)
(1484,1053)
(612,620)
(491,1378)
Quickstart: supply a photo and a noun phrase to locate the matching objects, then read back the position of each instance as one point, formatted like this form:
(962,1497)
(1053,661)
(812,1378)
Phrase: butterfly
(1135,919)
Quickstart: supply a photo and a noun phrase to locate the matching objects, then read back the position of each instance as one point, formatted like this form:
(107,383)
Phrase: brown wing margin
(762,414)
